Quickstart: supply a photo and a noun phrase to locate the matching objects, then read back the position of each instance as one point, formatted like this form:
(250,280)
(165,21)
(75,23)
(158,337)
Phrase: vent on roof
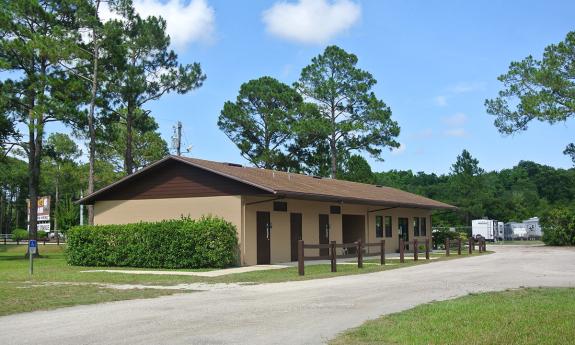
(317,177)
(234,165)
(378,185)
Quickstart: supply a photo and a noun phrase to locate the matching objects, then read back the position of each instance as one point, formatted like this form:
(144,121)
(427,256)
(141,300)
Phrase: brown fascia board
(331,198)
(89,198)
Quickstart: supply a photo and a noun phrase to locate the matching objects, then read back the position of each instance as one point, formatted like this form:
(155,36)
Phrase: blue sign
(32,244)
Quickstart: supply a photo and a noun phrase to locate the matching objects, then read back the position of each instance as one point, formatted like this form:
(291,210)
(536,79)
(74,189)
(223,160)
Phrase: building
(272,210)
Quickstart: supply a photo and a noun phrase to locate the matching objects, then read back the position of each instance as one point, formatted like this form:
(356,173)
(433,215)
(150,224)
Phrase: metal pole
(81,210)
(179,140)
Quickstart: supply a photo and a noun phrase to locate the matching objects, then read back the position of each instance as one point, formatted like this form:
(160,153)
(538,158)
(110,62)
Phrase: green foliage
(261,122)
(67,214)
(143,69)
(357,169)
(351,116)
(541,90)
(185,243)
(558,227)
(526,190)
(42,234)
(19,234)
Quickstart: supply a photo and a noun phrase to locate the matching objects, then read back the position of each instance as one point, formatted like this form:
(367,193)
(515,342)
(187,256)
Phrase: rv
(533,228)
(486,228)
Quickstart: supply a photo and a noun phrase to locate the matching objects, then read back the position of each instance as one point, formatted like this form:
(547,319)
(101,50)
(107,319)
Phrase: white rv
(486,228)
(533,228)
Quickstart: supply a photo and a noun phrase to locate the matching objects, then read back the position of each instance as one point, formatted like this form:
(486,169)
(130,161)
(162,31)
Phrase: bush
(42,234)
(186,243)
(558,227)
(19,235)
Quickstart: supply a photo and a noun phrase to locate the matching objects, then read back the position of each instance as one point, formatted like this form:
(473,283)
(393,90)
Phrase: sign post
(32,246)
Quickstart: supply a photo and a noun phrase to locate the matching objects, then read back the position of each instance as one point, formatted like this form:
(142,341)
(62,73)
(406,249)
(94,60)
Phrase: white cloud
(398,150)
(311,21)
(456,132)
(186,23)
(441,101)
(455,120)
(465,87)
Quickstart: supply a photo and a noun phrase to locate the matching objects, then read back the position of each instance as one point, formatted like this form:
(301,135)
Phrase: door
(263,236)
(324,233)
(403,230)
(295,233)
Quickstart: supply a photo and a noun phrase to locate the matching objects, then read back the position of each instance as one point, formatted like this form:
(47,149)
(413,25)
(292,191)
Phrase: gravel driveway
(306,312)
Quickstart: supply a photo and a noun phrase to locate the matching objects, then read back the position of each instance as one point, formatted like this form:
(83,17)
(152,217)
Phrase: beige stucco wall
(280,234)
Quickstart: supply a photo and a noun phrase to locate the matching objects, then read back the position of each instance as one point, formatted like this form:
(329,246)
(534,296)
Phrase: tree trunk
(333,143)
(128,162)
(91,127)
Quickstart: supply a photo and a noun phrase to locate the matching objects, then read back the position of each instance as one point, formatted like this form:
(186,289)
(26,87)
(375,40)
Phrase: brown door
(324,233)
(264,234)
(295,230)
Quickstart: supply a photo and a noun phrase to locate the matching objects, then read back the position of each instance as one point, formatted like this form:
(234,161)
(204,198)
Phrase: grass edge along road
(56,284)
(513,317)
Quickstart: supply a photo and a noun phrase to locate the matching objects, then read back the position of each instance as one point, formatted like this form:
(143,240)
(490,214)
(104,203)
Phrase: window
(335,209)
(378,226)
(280,206)
(423,226)
(388,226)
(416,226)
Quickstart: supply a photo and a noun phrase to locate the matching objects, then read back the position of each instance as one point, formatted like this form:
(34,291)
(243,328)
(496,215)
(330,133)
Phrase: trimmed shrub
(208,242)
(558,227)
(19,235)
(42,234)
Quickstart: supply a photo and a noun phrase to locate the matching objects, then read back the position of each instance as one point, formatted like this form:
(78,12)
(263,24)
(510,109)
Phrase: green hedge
(19,234)
(558,227)
(208,242)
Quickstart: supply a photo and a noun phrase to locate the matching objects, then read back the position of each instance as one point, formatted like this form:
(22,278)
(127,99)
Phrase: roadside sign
(32,249)
(33,245)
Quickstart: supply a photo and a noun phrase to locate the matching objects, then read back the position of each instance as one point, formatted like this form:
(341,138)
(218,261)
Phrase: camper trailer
(486,228)
(533,228)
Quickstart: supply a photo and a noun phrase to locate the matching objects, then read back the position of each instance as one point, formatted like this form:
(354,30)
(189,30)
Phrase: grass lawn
(525,243)
(524,316)
(56,284)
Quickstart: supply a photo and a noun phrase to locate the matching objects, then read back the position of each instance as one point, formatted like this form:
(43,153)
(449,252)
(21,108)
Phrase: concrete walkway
(303,312)
(214,273)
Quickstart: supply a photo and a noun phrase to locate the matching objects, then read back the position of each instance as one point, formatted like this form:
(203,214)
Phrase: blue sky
(435,62)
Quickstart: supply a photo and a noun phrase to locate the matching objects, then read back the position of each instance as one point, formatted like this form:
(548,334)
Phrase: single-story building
(272,210)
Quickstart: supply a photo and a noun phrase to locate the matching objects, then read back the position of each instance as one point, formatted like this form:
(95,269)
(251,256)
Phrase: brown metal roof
(303,186)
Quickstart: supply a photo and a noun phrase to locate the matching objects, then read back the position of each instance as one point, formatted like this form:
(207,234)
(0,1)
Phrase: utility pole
(177,138)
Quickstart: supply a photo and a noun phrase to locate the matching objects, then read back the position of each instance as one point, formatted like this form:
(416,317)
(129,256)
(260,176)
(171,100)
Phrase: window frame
(416,227)
(388,231)
(423,226)
(378,226)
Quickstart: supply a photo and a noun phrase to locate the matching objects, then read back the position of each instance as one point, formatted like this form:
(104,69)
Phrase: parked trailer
(486,228)
(533,228)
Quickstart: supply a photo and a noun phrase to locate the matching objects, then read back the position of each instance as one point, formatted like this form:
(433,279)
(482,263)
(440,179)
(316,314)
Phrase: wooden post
(447,247)
(359,254)
(459,246)
(470,245)
(415,250)
(401,251)
(333,256)
(300,263)
(480,246)
(427,249)
(57,238)
(382,252)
